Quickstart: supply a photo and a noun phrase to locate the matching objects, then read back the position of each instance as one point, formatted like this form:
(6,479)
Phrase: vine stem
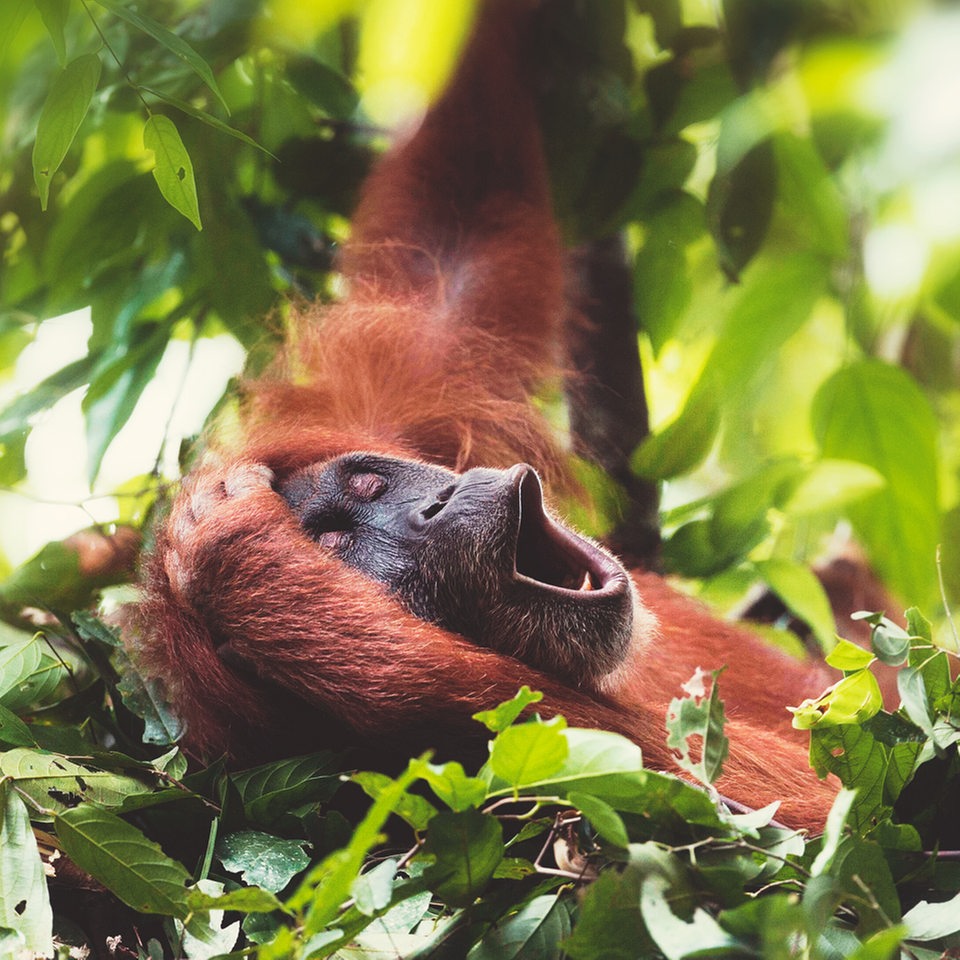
(126,76)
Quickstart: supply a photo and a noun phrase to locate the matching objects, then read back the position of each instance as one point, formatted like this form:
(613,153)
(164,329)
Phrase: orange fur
(456,292)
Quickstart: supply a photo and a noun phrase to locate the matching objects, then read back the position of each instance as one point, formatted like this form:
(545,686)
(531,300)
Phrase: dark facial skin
(475,553)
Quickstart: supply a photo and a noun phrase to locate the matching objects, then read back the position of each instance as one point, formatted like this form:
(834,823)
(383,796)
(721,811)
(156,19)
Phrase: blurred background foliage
(786,172)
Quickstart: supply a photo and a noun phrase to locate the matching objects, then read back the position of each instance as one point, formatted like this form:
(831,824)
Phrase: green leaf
(171,41)
(454,787)
(56,783)
(63,112)
(466,848)
(931,921)
(327,885)
(262,860)
(532,933)
(17,662)
(269,791)
(244,900)
(675,937)
(661,282)
(501,716)
(604,819)
(45,394)
(684,443)
(831,485)
(321,84)
(415,810)
(174,169)
(134,868)
(608,766)
(13,731)
(848,657)
(372,890)
(146,698)
(776,297)
(699,715)
(811,201)
(889,641)
(914,699)
(54,15)
(802,593)
(875,414)
(91,628)
(853,699)
(610,925)
(833,832)
(24,902)
(528,752)
(859,761)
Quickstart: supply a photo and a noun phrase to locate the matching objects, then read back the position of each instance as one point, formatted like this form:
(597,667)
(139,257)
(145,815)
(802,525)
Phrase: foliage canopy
(787,176)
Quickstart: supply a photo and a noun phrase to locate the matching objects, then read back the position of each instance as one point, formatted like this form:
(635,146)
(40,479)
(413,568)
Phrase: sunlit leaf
(802,594)
(414,809)
(528,752)
(698,715)
(853,699)
(174,169)
(848,656)
(63,112)
(372,890)
(504,714)
(875,414)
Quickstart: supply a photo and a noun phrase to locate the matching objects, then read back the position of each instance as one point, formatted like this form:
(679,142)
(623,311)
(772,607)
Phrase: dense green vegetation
(788,178)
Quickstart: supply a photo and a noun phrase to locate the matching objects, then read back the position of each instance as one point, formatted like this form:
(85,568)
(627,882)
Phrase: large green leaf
(776,296)
(875,414)
(535,932)
(467,847)
(269,791)
(802,594)
(63,112)
(528,752)
(24,903)
(56,783)
(117,854)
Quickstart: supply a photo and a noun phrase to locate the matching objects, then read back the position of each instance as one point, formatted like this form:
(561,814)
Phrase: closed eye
(332,531)
(366,486)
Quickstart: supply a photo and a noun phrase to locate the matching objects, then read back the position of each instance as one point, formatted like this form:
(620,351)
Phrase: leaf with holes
(24,904)
(55,783)
(174,169)
(699,714)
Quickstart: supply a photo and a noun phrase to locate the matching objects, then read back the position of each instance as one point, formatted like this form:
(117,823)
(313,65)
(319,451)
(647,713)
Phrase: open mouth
(551,556)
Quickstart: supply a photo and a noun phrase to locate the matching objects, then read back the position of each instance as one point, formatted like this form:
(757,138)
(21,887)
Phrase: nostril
(432,510)
(438,504)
